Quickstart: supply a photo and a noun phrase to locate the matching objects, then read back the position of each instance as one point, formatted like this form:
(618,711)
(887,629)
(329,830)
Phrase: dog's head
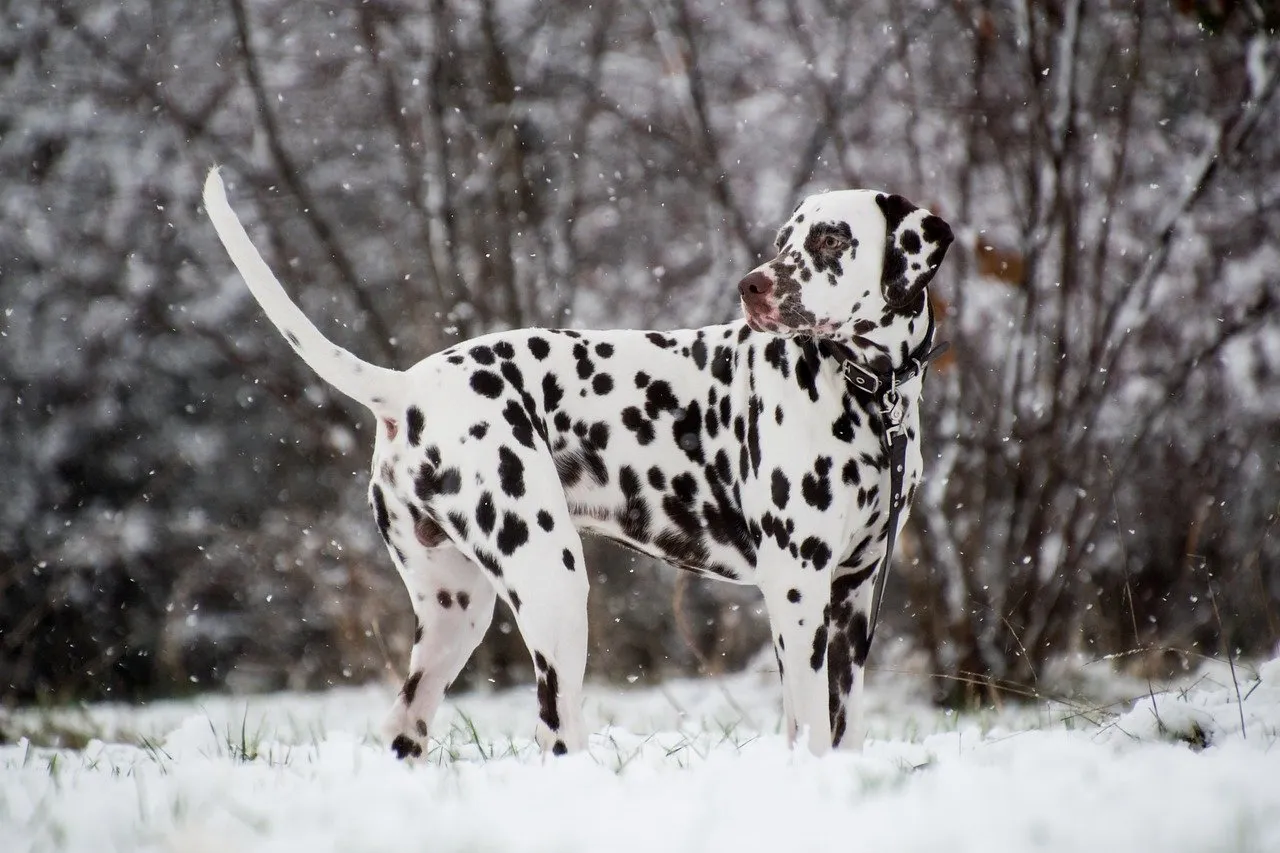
(849,263)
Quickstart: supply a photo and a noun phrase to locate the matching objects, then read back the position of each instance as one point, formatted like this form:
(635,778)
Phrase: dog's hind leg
(532,554)
(546,585)
(453,606)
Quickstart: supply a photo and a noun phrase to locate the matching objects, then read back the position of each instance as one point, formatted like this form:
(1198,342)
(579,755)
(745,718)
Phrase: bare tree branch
(292,177)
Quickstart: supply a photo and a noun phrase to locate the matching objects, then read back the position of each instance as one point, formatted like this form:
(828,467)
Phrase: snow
(690,765)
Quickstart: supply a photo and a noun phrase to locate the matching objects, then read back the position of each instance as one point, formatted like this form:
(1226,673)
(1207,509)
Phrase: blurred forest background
(184,502)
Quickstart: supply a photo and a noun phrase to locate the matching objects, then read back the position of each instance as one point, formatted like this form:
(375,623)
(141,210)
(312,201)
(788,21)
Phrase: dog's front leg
(796,597)
(847,653)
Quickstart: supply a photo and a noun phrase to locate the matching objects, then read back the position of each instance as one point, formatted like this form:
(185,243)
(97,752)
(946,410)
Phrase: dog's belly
(677,497)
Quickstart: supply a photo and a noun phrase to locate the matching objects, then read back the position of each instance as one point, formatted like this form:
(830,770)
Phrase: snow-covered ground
(690,766)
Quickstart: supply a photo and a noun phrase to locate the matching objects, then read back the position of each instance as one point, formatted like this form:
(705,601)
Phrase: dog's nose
(755,285)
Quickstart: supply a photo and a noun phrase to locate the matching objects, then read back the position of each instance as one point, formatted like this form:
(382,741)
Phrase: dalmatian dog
(742,451)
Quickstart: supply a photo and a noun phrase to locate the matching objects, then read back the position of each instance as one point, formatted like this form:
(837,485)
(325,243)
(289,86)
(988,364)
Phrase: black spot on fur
(597,437)
(548,688)
(783,236)
(486,515)
(464,600)
(660,340)
(545,521)
(819,654)
(826,243)
(482,354)
(510,473)
(806,379)
(431,481)
(585,365)
(687,431)
(478,430)
(445,599)
(635,510)
(521,426)
(781,489)
(486,383)
(659,399)
(634,420)
(504,349)
(816,489)
(793,595)
(566,556)
(754,407)
(775,356)
(682,515)
(698,352)
(380,514)
(860,638)
(414,422)
(816,552)
(559,748)
(722,365)
(539,348)
(513,533)
(410,688)
(602,384)
(552,393)
(512,374)
(657,479)
(842,429)
(460,524)
(489,562)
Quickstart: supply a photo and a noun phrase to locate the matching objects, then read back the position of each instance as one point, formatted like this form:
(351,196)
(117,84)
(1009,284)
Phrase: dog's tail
(366,383)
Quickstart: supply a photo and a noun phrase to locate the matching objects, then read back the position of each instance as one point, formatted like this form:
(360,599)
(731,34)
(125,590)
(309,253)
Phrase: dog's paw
(406,748)
(406,734)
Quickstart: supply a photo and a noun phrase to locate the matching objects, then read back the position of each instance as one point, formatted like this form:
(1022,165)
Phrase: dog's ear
(914,244)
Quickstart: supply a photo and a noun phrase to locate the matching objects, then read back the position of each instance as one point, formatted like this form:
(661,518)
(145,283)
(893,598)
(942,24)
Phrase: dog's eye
(831,241)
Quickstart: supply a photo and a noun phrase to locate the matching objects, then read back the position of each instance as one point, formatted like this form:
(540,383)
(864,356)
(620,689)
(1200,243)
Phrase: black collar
(866,380)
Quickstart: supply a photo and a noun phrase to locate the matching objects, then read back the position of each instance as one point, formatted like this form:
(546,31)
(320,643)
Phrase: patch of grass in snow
(156,753)
(244,745)
(463,742)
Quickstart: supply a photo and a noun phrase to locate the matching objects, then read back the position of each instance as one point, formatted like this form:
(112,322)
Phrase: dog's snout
(755,285)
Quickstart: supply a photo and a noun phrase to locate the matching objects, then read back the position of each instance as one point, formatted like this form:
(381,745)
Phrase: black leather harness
(881,388)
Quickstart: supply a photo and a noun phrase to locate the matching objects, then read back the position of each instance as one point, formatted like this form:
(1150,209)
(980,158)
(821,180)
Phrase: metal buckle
(894,411)
(861,377)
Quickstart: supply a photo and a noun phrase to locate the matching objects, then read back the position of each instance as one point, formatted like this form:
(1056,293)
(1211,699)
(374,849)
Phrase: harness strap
(897,470)
(882,388)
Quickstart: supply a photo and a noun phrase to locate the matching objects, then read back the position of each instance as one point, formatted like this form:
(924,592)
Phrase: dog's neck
(888,345)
